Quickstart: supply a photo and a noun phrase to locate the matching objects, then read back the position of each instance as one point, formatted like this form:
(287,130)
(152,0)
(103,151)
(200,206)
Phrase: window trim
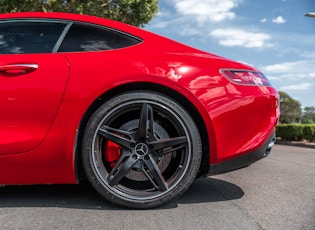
(43,20)
(108,28)
(68,26)
(61,37)
(102,27)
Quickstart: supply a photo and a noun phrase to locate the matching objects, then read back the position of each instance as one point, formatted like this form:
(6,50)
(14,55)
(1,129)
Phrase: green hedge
(296,132)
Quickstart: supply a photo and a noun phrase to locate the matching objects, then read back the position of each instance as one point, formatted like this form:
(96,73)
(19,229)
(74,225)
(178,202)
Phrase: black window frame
(40,20)
(63,34)
(101,27)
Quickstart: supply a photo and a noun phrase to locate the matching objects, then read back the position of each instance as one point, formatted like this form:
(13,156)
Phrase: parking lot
(277,192)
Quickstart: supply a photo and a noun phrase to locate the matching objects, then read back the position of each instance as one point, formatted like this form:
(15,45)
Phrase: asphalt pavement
(277,192)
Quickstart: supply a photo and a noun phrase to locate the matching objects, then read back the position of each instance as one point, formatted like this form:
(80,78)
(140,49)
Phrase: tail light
(245,77)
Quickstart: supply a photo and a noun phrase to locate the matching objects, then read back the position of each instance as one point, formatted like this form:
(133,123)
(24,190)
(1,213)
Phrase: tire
(141,150)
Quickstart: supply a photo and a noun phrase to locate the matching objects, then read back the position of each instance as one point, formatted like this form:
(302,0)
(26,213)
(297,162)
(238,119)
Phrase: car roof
(74,17)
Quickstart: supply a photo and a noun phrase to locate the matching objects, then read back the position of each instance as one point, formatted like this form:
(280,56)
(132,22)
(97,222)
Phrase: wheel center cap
(142,149)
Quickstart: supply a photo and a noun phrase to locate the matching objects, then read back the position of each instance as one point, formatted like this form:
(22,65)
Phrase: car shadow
(83,196)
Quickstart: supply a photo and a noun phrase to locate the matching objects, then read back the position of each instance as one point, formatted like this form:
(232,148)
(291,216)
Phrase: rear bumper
(244,160)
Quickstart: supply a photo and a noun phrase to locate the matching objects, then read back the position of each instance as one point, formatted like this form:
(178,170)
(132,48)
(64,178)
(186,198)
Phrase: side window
(82,37)
(24,37)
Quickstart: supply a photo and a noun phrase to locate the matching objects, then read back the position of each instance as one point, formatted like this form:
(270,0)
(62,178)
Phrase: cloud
(161,24)
(300,74)
(189,31)
(297,78)
(279,20)
(239,37)
(263,20)
(309,54)
(207,10)
(299,69)
(302,86)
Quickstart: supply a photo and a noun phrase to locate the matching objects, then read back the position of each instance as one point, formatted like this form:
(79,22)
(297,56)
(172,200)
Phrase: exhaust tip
(269,147)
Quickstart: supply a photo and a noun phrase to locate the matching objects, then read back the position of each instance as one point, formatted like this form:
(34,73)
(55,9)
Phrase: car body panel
(29,102)
(227,107)
(238,119)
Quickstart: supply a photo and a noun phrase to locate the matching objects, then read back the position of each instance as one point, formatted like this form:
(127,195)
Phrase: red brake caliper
(112,152)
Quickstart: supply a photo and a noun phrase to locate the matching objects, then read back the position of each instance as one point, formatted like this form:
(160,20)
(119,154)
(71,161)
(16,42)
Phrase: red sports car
(138,115)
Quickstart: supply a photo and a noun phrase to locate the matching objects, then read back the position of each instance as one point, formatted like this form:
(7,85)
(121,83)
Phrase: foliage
(296,132)
(290,108)
(134,12)
(309,115)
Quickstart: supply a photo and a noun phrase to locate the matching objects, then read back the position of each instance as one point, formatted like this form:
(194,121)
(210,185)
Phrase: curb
(297,144)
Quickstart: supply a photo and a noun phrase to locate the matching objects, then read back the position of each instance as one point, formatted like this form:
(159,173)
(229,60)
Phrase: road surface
(277,192)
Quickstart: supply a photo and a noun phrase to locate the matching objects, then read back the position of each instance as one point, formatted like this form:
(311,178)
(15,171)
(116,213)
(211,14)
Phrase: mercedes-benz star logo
(141,149)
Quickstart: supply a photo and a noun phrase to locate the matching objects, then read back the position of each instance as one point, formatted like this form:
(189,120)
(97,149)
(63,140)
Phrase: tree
(290,108)
(309,115)
(134,12)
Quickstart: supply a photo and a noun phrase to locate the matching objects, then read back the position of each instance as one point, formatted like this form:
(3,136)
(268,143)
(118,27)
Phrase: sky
(271,35)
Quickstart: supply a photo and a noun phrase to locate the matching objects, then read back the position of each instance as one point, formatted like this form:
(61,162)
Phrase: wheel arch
(179,98)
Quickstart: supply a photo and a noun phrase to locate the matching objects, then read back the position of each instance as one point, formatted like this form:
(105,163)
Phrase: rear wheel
(141,149)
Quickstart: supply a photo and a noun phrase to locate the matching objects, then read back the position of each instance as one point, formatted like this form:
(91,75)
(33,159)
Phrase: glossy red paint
(41,112)
(30,102)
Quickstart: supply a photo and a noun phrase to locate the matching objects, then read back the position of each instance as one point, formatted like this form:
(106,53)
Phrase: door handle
(13,70)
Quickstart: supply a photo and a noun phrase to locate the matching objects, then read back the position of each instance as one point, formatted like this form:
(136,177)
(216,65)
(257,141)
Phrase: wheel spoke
(151,128)
(170,142)
(117,136)
(123,166)
(168,150)
(154,175)
(146,116)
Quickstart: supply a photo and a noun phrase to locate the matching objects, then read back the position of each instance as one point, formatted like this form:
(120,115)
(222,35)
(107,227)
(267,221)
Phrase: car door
(32,82)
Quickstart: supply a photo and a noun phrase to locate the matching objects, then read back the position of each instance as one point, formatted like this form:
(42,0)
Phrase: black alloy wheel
(141,149)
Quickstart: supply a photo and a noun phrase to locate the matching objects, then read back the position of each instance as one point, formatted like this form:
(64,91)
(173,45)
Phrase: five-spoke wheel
(141,149)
